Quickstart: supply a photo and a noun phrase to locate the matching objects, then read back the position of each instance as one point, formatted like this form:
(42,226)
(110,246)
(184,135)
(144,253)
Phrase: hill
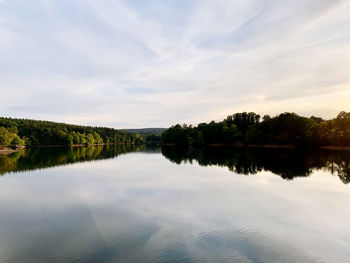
(146,131)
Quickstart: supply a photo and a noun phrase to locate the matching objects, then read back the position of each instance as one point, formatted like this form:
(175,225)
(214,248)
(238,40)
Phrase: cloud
(137,64)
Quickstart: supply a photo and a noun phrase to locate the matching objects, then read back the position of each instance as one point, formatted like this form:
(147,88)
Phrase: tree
(195,137)
(90,139)
(82,139)
(76,137)
(69,139)
(17,141)
(97,138)
(243,121)
(5,137)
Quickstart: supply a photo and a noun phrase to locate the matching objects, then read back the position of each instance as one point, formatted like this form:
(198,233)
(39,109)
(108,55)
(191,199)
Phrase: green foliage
(9,138)
(90,139)
(36,133)
(17,141)
(243,120)
(153,138)
(212,133)
(82,139)
(284,129)
(146,131)
(97,138)
(5,137)
(76,137)
(69,139)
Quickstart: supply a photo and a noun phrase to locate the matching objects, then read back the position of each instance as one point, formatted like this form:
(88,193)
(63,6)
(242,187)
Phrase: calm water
(129,204)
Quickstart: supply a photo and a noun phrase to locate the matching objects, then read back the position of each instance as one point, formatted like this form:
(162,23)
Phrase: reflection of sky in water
(141,207)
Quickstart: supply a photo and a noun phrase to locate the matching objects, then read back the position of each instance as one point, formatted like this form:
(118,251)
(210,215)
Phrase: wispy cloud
(150,63)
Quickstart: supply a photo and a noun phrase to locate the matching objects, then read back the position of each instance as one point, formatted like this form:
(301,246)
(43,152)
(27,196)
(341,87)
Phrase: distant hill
(146,131)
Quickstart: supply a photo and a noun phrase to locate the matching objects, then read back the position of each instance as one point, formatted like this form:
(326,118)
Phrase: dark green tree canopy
(35,132)
(247,128)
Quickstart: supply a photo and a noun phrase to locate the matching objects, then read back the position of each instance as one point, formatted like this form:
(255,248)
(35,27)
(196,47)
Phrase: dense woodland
(146,131)
(240,128)
(251,129)
(15,132)
(152,135)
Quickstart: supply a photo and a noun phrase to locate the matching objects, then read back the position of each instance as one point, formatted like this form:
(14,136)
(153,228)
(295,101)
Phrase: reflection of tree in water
(39,158)
(9,164)
(341,168)
(284,162)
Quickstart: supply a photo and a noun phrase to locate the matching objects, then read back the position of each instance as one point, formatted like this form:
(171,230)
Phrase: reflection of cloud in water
(245,246)
(142,208)
(79,235)
(76,235)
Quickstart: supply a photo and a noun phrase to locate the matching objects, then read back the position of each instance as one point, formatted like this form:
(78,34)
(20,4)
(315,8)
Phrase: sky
(138,63)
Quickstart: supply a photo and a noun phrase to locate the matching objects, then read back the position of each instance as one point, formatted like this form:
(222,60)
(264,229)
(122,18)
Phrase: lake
(143,204)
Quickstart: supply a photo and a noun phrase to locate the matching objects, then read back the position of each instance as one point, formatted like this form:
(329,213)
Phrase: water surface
(136,204)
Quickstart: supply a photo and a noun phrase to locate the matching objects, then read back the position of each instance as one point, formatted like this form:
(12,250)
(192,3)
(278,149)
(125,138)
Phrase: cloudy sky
(137,63)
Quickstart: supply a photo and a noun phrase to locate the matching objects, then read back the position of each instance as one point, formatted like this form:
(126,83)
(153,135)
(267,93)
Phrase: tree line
(249,128)
(15,132)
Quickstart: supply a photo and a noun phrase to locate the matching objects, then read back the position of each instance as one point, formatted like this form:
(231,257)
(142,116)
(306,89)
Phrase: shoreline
(5,150)
(274,146)
(76,145)
(8,150)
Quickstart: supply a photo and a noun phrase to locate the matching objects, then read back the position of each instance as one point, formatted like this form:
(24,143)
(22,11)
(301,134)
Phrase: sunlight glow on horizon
(136,64)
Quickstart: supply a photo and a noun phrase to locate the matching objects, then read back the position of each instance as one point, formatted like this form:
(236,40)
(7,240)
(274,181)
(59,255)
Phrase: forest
(246,128)
(20,132)
(250,129)
(152,135)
